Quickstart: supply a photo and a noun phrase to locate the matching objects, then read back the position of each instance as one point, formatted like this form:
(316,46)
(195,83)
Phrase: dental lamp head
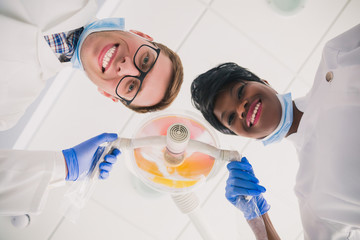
(177,139)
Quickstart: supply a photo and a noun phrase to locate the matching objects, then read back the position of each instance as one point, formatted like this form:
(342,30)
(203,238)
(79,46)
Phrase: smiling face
(107,57)
(248,108)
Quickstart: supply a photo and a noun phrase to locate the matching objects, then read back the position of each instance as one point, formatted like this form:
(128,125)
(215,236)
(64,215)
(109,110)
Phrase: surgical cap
(107,24)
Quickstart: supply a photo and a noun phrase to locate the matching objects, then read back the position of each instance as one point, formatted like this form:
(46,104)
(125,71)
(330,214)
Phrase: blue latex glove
(252,208)
(109,160)
(79,159)
(242,182)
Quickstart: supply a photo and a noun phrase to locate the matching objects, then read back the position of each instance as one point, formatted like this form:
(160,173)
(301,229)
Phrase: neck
(297,115)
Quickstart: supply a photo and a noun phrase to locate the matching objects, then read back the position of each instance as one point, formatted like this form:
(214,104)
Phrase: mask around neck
(286,120)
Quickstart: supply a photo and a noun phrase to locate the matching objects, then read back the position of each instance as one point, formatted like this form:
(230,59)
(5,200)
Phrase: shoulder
(346,41)
(50,16)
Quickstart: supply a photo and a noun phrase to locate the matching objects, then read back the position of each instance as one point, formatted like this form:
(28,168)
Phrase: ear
(143,35)
(102,92)
(266,82)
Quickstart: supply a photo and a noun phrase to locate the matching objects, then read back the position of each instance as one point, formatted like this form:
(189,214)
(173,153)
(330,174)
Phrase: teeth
(108,56)
(254,113)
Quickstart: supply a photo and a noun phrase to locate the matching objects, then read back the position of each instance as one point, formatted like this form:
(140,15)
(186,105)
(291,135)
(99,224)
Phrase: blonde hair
(174,86)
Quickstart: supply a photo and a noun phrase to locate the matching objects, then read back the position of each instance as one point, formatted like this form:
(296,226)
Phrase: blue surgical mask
(106,24)
(286,120)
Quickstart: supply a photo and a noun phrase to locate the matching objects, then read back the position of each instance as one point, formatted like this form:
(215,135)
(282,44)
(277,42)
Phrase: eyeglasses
(144,60)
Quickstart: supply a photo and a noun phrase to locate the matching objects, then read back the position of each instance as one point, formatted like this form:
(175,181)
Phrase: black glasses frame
(142,75)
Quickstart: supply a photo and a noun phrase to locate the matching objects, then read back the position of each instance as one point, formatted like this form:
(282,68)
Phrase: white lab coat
(26,177)
(327,142)
(26,62)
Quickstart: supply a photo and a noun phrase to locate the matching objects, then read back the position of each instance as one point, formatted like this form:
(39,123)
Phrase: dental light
(172,153)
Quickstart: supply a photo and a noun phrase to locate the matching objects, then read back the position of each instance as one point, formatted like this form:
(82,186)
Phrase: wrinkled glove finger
(235,182)
(110,158)
(232,200)
(244,160)
(233,192)
(245,166)
(105,166)
(104,174)
(262,204)
(116,152)
(243,175)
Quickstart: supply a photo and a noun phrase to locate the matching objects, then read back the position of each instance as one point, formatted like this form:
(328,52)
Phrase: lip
(102,55)
(250,113)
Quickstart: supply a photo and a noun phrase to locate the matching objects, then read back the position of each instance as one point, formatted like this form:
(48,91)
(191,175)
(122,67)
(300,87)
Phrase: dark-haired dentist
(323,126)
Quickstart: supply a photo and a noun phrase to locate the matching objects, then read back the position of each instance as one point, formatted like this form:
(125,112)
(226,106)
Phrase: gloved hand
(242,182)
(109,160)
(79,159)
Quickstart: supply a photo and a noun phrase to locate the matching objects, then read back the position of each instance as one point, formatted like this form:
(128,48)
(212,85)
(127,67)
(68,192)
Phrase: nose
(125,66)
(241,109)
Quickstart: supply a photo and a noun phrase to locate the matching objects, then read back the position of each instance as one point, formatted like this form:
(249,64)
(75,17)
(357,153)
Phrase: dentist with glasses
(42,37)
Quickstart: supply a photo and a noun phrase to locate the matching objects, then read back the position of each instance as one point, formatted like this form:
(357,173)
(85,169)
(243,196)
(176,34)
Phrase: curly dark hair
(206,87)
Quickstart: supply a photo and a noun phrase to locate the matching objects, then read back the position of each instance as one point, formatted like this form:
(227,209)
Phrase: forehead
(161,70)
(219,88)
(135,39)
(226,90)
(223,100)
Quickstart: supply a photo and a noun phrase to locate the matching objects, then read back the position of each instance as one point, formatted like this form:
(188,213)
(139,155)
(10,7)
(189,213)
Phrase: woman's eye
(240,91)
(231,118)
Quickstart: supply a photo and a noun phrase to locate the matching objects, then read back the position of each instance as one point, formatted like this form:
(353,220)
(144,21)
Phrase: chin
(260,136)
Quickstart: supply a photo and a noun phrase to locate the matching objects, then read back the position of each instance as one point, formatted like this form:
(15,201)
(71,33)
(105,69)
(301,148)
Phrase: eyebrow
(221,117)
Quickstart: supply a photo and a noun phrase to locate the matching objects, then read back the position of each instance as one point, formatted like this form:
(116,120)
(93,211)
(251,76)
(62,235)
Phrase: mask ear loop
(265,82)
(268,84)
